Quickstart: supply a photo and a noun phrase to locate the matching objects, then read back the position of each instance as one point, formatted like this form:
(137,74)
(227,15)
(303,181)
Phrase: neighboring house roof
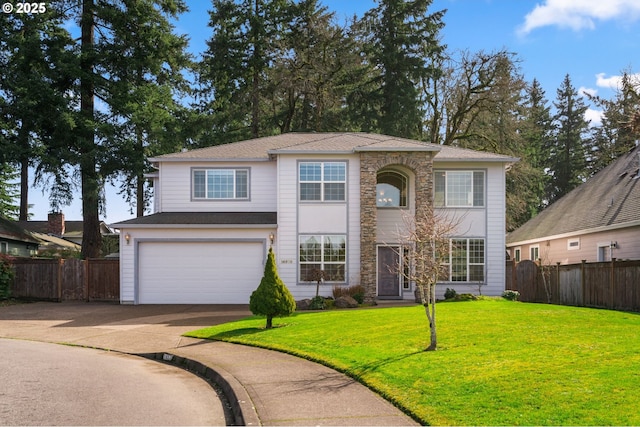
(13,231)
(610,199)
(72,228)
(48,241)
(194,219)
(324,143)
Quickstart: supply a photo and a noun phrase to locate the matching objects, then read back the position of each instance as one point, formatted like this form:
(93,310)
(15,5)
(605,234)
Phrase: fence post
(85,279)
(582,283)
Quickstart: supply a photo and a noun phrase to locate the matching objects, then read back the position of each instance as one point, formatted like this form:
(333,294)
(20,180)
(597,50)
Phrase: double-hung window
(323,252)
(322,181)
(465,261)
(458,189)
(221,184)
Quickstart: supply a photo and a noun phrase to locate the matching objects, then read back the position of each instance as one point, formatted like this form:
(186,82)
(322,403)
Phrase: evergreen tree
(615,136)
(232,73)
(271,298)
(403,41)
(8,192)
(568,152)
(35,77)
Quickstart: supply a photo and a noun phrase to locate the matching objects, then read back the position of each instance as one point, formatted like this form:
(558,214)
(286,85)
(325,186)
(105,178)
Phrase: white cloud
(578,14)
(612,82)
(594,116)
(588,91)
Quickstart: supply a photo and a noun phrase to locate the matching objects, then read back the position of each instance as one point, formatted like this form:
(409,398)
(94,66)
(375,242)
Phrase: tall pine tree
(568,152)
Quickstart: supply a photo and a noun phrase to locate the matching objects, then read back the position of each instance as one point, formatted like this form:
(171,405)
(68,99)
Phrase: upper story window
(221,184)
(459,189)
(391,189)
(322,181)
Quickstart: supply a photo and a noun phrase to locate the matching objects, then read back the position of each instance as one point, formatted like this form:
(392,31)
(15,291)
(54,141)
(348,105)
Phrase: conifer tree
(568,153)
(271,298)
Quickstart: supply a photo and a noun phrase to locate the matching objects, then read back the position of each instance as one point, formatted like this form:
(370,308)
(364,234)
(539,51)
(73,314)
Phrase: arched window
(391,189)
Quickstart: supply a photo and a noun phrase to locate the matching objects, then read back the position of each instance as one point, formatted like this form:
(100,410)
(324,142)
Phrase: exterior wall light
(272,237)
(127,238)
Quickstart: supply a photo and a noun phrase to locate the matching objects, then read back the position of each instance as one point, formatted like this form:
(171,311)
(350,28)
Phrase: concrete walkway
(265,387)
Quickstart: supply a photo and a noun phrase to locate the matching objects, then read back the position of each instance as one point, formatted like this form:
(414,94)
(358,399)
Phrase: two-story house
(329,201)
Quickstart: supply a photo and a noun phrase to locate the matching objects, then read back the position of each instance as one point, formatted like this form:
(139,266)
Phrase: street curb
(242,408)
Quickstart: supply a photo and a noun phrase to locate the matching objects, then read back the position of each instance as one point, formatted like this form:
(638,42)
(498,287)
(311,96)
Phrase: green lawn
(498,363)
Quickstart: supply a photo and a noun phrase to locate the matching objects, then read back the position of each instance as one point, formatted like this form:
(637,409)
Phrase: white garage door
(199,272)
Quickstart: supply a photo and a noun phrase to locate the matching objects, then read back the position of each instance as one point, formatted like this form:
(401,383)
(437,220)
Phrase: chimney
(55,224)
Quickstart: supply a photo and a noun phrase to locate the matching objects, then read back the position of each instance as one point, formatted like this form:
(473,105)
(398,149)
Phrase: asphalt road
(51,384)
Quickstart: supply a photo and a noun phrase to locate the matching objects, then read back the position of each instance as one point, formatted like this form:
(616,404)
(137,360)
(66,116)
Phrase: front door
(389,272)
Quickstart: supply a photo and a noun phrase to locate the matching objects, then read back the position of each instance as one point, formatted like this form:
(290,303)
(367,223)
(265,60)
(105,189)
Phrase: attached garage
(193,258)
(198,272)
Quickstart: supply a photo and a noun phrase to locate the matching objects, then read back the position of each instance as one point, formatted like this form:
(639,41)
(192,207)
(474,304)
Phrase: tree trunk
(269,322)
(91,238)
(430,310)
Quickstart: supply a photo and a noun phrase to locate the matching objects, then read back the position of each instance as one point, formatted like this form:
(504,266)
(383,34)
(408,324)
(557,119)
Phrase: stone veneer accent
(421,164)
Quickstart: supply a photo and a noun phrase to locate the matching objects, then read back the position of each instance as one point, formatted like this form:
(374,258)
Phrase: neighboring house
(597,221)
(56,226)
(329,201)
(16,241)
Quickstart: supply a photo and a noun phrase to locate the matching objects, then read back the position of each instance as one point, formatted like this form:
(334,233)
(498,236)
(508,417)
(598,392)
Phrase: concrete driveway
(148,328)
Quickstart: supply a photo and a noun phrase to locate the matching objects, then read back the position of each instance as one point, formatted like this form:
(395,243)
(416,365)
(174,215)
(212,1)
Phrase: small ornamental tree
(272,298)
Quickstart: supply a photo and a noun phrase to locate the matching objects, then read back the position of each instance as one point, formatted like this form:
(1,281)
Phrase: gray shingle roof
(324,143)
(610,198)
(202,218)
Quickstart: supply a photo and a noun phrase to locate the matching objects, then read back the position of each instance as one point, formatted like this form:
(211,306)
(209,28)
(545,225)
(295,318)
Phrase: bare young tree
(427,235)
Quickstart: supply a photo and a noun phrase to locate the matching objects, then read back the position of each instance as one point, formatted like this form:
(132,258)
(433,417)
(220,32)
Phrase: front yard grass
(498,362)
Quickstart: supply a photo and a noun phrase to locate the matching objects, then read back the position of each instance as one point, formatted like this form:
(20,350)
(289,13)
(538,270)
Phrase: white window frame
(449,264)
(517,254)
(238,192)
(445,186)
(323,181)
(323,261)
(533,248)
(4,247)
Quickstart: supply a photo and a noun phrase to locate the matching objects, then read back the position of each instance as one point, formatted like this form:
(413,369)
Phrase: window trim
(206,183)
(302,239)
(531,249)
(322,181)
(468,264)
(517,254)
(445,199)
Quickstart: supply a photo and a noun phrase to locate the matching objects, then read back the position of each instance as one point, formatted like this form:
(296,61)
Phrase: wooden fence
(66,279)
(613,285)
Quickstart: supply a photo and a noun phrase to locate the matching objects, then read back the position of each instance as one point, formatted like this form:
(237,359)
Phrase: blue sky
(591,40)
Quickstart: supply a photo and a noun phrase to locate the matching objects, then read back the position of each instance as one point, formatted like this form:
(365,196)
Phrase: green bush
(317,303)
(272,298)
(511,295)
(6,277)
(450,293)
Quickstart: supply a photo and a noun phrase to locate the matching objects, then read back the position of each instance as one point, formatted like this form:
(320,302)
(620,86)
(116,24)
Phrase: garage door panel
(199,272)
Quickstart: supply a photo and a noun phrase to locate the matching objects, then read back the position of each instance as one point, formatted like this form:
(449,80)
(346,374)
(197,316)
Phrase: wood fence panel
(104,279)
(527,281)
(72,285)
(570,285)
(626,277)
(597,279)
(37,278)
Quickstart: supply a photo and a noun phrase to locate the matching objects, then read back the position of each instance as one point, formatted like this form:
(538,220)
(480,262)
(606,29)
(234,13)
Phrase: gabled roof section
(262,149)
(11,230)
(609,199)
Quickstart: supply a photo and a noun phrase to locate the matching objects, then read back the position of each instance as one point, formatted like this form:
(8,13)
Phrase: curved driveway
(49,384)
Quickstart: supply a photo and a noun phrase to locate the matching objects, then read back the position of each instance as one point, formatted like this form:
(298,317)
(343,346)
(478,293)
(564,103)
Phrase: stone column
(368,221)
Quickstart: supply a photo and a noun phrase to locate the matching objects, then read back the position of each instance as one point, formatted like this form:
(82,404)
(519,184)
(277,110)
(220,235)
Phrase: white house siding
(296,218)
(487,223)
(176,188)
(130,253)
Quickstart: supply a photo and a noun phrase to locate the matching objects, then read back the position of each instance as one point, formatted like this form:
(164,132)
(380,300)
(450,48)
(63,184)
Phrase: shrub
(356,292)
(317,303)
(6,277)
(272,298)
(450,293)
(511,295)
